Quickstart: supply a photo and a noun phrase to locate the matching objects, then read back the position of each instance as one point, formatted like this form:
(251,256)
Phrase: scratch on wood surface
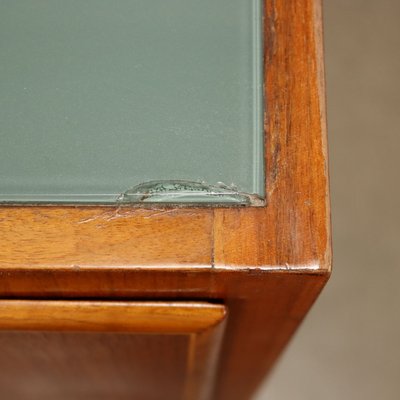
(127,212)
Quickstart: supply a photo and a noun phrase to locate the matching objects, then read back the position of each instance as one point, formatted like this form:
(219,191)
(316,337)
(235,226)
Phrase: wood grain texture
(265,307)
(103,236)
(266,264)
(293,230)
(113,350)
(93,316)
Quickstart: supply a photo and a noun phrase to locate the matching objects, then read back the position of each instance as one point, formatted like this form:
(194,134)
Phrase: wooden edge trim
(109,316)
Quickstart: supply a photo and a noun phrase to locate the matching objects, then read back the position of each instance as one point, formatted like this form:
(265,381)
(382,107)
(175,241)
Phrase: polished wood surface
(85,236)
(267,264)
(109,350)
(120,316)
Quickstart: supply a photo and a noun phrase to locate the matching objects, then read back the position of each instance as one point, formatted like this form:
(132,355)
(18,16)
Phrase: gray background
(348,346)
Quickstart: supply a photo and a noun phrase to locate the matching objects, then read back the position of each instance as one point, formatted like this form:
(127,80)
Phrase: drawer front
(108,350)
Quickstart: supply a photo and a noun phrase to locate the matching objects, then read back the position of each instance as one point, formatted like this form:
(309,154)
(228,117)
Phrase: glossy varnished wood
(293,230)
(67,236)
(115,350)
(266,264)
(93,316)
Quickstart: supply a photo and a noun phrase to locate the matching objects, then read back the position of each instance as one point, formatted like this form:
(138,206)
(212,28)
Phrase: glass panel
(131,100)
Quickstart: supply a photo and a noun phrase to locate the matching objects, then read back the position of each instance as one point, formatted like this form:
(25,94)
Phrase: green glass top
(131,100)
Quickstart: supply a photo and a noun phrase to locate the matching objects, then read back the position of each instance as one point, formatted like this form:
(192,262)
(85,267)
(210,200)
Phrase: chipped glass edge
(187,192)
(162,192)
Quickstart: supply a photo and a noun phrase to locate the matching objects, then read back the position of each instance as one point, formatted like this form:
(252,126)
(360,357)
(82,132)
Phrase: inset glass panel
(104,101)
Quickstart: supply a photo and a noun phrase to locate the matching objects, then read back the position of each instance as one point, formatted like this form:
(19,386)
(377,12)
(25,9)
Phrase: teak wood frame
(266,264)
